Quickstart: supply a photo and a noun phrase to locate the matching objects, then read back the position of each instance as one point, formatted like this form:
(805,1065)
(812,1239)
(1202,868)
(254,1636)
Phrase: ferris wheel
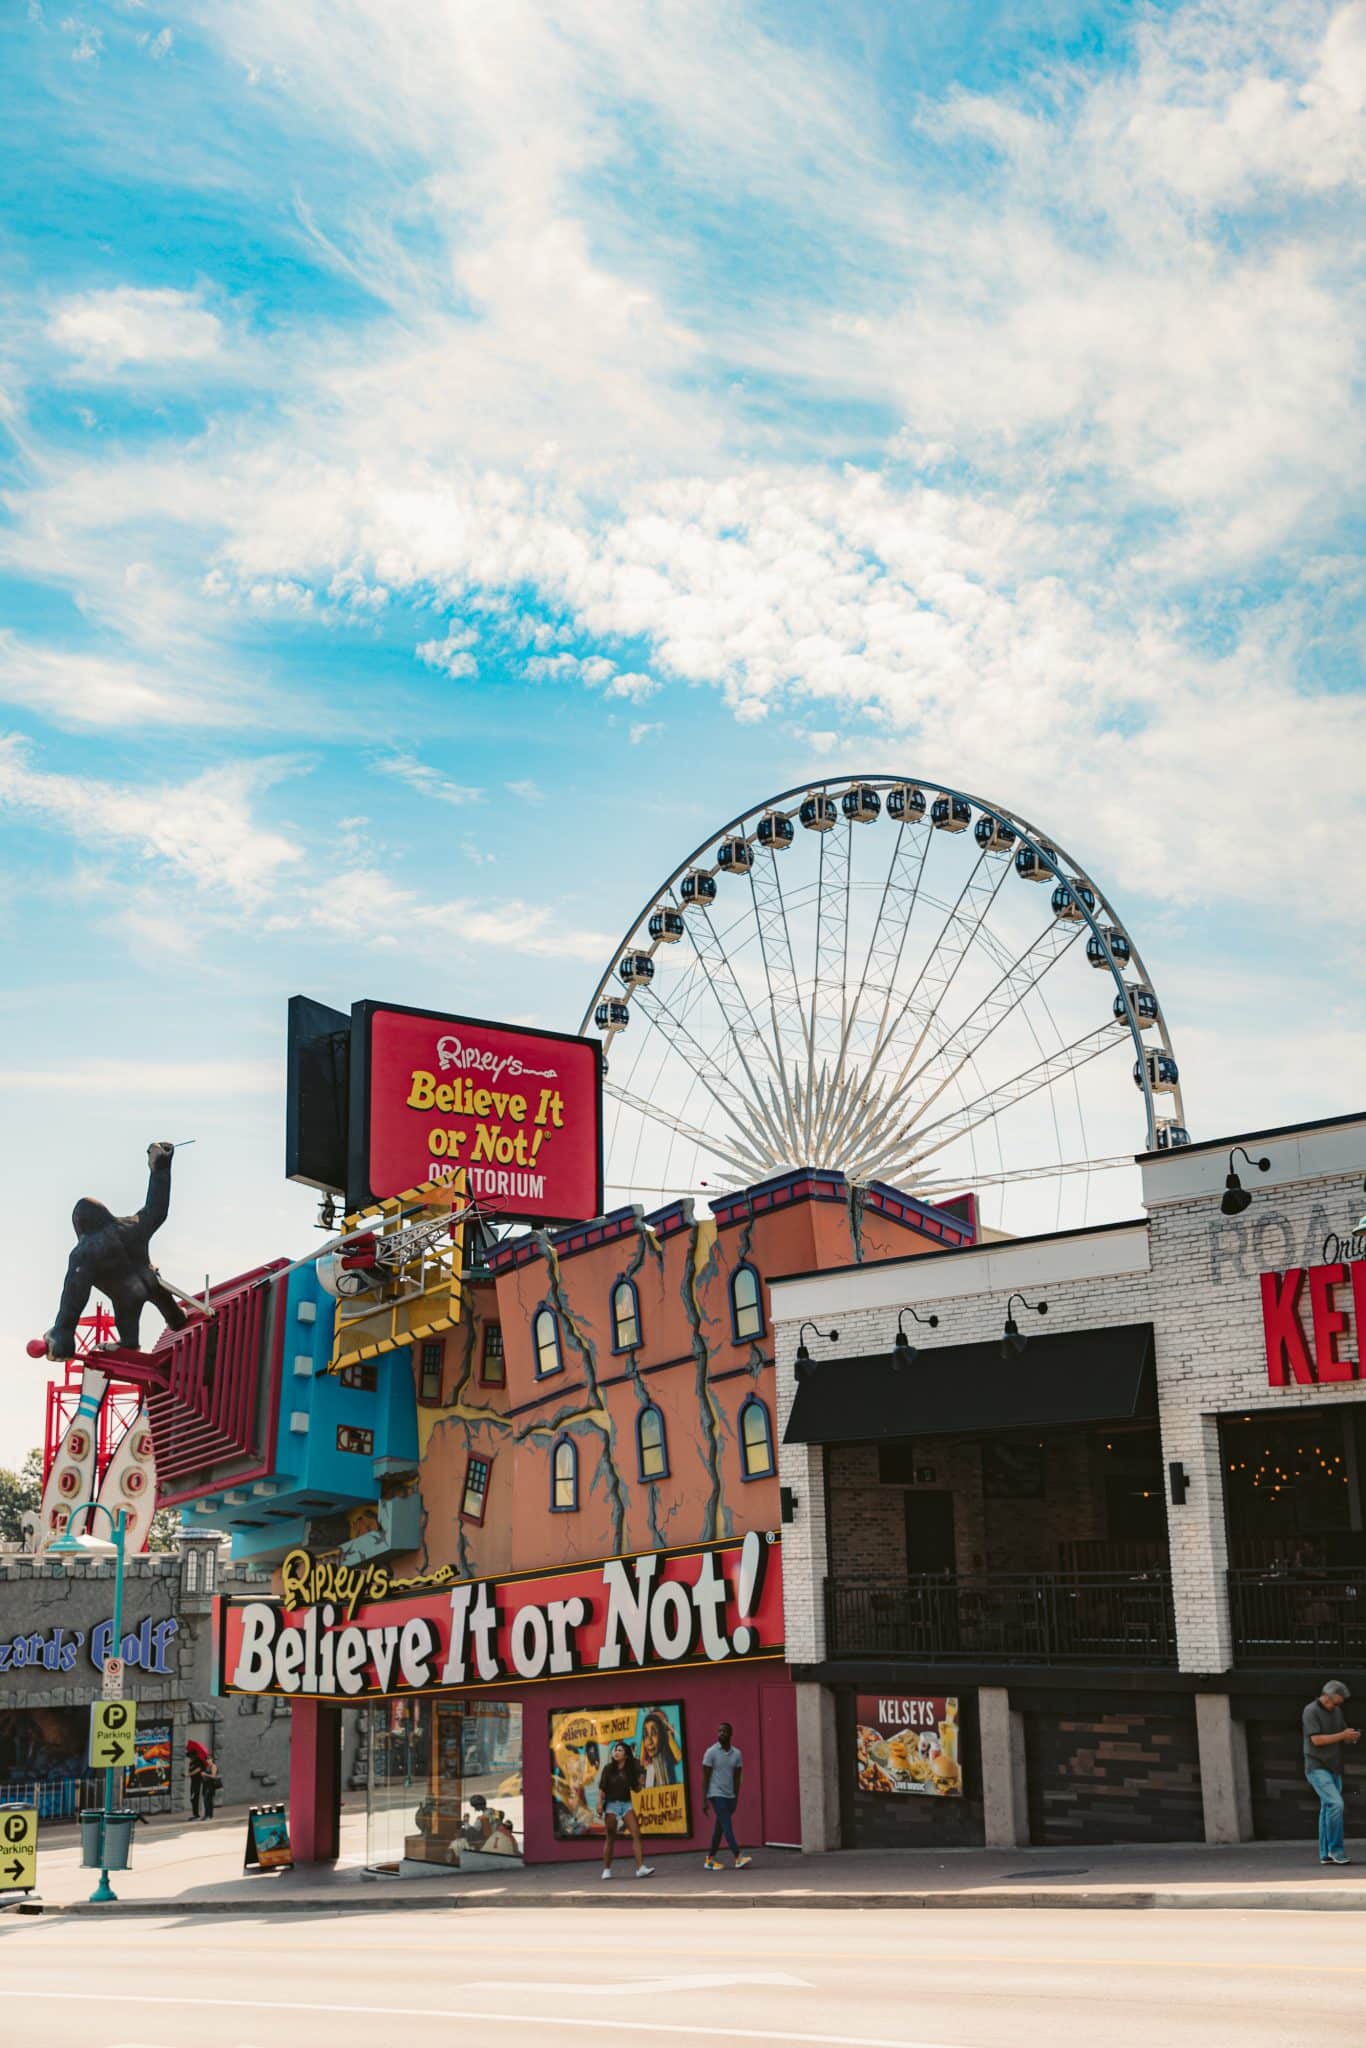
(857,974)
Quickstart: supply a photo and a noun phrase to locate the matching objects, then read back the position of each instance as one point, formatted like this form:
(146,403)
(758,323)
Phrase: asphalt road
(532,1979)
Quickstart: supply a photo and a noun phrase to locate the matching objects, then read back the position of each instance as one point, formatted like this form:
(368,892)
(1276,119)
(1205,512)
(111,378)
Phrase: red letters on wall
(1290,1361)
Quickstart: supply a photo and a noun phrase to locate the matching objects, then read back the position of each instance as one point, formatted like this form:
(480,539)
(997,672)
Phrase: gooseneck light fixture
(1013,1339)
(1236,1196)
(806,1364)
(903,1351)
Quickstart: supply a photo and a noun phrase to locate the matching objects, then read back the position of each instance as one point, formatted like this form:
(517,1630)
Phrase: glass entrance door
(413,1794)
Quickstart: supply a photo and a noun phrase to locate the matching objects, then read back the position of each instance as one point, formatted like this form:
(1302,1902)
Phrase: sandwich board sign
(113,1734)
(18,1848)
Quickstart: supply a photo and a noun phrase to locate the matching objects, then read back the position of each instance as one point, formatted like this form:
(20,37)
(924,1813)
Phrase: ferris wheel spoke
(734,1101)
(707,1141)
(828,989)
(1001,1002)
(1053,1067)
(900,900)
(961,927)
(745,1034)
(780,971)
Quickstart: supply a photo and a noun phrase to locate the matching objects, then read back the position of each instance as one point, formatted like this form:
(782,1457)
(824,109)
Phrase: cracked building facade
(504,1545)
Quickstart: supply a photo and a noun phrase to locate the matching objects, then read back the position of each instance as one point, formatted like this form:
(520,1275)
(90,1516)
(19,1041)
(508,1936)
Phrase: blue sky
(452,457)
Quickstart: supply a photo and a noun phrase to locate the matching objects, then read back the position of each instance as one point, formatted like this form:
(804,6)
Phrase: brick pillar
(1225,1785)
(315,1782)
(1005,1809)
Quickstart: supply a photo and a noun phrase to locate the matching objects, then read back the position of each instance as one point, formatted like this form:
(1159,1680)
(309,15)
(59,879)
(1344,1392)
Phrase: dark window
(746,1304)
(431,1356)
(652,1447)
(492,1370)
(625,1317)
(756,1440)
(365,1378)
(476,1489)
(545,1342)
(352,1439)
(564,1477)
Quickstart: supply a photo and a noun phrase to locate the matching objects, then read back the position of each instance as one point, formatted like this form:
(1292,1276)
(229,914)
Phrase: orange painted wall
(688,1364)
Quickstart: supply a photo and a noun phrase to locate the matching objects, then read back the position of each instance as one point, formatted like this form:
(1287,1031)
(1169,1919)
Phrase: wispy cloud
(427,781)
(107,330)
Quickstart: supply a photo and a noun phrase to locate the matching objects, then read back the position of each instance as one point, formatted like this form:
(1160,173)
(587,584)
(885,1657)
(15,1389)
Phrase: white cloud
(187,1081)
(81,689)
(643,730)
(451,656)
(527,792)
(108,330)
(202,830)
(426,781)
(161,44)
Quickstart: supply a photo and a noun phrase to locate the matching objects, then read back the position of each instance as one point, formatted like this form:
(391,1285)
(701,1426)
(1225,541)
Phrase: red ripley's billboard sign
(343,1632)
(1306,1318)
(520,1111)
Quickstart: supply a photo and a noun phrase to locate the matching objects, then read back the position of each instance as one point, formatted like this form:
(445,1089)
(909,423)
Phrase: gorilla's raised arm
(157,1207)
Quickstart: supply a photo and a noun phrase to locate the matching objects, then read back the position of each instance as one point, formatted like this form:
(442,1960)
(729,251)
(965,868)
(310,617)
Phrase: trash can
(111,1853)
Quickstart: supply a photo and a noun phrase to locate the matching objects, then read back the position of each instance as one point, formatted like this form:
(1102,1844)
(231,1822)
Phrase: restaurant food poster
(908,1746)
(151,1770)
(581,1742)
(519,1111)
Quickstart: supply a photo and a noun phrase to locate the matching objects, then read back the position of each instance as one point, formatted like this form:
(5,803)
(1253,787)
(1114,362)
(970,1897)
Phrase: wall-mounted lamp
(787,1502)
(1179,1480)
(903,1351)
(806,1364)
(1236,1196)
(1013,1340)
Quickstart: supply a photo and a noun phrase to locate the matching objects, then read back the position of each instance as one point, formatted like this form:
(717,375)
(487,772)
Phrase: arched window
(652,1446)
(545,1341)
(746,1303)
(625,1316)
(564,1477)
(756,1440)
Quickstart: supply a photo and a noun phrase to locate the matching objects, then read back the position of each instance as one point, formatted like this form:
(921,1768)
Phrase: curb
(1222,1901)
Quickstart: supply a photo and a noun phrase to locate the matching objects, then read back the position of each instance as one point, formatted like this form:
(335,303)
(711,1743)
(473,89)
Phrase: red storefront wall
(757,1698)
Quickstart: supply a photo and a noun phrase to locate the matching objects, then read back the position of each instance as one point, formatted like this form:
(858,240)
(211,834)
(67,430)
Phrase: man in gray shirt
(1326,1735)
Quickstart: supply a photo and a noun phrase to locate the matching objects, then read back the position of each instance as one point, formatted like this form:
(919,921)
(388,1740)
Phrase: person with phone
(621,1777)
(1326,1736)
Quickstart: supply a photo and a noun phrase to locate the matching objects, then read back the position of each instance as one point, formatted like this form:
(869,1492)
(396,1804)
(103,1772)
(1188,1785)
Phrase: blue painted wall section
(313,1475)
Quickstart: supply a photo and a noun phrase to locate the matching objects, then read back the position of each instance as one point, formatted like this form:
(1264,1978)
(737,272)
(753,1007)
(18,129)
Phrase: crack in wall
(703,1263)
(583,1343)
(855,1201)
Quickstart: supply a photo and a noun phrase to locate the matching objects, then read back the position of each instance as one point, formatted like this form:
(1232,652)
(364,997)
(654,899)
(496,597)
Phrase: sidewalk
(182,1866)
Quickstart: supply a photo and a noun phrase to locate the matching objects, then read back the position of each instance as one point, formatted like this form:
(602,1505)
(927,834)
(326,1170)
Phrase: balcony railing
(1005,1617)
(1298,1617)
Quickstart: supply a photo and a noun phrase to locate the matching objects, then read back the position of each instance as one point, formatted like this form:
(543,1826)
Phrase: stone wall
(1113,1774)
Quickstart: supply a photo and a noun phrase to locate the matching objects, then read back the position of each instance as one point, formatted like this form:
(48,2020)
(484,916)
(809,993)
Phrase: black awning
(1073,1376)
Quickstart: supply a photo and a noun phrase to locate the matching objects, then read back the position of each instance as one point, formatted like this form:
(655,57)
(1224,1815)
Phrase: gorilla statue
(111,1253)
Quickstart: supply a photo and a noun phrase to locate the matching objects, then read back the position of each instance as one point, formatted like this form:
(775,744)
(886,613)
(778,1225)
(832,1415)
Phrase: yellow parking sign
(113,1727)
(18,1848)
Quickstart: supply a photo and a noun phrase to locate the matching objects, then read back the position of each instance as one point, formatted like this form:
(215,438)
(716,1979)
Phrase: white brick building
(1272,1467)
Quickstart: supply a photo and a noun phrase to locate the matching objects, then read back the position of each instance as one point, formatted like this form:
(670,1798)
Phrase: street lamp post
(71,1549)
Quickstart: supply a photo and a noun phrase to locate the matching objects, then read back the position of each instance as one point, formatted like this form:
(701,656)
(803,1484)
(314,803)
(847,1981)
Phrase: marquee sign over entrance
(660,1610)
(1310,1314)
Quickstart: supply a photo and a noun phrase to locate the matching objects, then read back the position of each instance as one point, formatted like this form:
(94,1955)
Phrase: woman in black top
(621,1776)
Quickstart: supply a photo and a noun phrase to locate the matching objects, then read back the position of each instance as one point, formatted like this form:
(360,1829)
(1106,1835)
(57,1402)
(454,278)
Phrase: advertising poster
(908,1746)
(268,1846)
(151,1771)
(580,1744)
(519,1111)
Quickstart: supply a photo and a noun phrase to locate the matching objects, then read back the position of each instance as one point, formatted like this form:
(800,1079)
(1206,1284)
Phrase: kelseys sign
(662,1610)
(1313,1318)
(520,1111)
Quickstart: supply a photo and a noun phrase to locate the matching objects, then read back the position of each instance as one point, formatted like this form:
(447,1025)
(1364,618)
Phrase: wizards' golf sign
(113,1735)
(18,1848)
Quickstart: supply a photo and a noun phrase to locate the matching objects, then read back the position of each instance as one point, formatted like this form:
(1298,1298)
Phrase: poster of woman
(580,1743)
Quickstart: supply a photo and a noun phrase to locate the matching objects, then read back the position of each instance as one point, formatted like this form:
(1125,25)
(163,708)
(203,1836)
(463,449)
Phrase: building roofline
(1326,1123)
(967,1251)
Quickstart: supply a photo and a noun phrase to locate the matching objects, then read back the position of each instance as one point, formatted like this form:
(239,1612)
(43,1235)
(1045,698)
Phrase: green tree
(20,1493)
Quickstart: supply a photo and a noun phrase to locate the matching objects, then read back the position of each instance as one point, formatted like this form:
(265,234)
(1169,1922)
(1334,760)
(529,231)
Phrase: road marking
(592,1987)
(55,1928)
(485,2019)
